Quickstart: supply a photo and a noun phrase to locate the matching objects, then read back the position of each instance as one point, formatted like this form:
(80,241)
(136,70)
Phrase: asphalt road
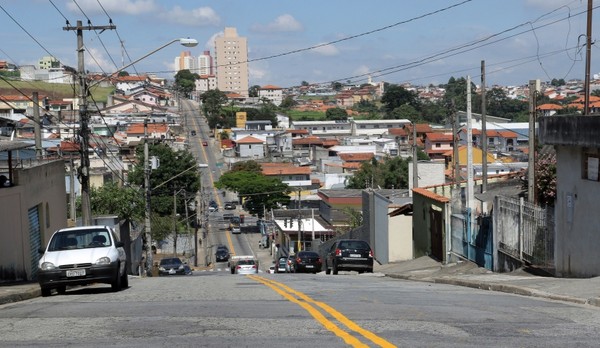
(217,309)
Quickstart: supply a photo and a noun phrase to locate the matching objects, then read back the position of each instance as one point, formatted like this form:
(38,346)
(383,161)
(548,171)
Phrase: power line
(25,30)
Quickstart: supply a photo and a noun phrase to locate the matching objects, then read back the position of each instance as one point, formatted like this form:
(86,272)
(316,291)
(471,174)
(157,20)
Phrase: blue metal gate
(476,245)
(34,239)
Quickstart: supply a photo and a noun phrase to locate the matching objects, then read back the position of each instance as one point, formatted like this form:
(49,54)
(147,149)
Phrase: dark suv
(349,255)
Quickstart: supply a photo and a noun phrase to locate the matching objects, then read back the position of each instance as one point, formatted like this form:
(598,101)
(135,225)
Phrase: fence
(525,232)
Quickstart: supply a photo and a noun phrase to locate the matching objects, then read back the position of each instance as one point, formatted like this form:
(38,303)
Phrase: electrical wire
(25,30)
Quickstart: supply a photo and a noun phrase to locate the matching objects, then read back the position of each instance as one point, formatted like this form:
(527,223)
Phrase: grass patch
(297,115)
(51,90)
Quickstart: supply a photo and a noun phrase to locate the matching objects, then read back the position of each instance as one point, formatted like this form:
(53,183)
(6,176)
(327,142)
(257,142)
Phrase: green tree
(405,111)
(391,172)
(336,86)
(247,166)
(185,82)
(178,173)
(212,105)
(304,83)
(336,114)
(123,73)
(259,192)
(125,202)
(395,96)
(288,102)
(456,93)
(253,91)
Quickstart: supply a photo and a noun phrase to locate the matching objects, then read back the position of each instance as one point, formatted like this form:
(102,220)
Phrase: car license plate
(355,255)
(309,266)
(76,273)
(172,271)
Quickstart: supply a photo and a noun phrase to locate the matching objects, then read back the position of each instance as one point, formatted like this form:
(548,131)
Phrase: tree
(304,83)
(288,102)
(405,111)
(185,81)
(395,96)
(336,86)
(123,73)
(248,166)
(391,172)
(212,105)
(177,172)
(336,114)
(258,191)
(125,202)
(545,183)
(253,91)
(456,93)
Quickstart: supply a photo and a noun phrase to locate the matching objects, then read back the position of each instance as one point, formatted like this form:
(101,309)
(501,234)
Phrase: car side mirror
(120,244)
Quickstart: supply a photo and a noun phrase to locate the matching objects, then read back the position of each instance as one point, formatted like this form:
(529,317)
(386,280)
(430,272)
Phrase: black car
(222,254)
(172,266)
(229,206)
(307,262)
(349,255)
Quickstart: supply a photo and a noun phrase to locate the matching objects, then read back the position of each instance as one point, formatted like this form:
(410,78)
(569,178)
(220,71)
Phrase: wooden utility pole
(84,132)
(36,125)
(147,227)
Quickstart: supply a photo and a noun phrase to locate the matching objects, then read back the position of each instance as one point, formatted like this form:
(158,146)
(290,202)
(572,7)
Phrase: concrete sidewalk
(425,269)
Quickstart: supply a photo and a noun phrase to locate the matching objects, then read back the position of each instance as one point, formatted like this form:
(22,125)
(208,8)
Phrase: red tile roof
(270,87)
(356,157)
(312,140)
(285,170)
(431,195)
(138,128)
(249,140)
(439,136)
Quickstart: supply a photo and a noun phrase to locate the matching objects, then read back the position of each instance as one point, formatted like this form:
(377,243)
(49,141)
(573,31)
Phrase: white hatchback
(82,255)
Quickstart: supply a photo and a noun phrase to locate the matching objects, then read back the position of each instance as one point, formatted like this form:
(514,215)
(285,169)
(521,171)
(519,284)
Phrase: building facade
(186,61)
(205,64)
(231,57)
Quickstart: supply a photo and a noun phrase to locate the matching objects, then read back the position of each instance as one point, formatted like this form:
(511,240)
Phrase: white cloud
(257,73)
(327,50)
(210,44)
(198,17)
(97,61)
(283,23)
(361,70)
(131,7)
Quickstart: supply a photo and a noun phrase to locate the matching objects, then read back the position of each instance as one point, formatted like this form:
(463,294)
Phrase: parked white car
(82,255)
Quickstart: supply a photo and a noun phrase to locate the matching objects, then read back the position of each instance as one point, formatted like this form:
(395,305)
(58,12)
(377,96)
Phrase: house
(250,147)
(576,140)
(33,207)
(288,173)
(136,132)
(436,144)
(497,140)
(325,128)
(271,93)
(548,109)
(128,106)
(376,127)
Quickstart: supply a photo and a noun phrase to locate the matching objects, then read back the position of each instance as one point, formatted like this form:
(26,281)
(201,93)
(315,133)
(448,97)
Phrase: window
(438,145)
(591,162)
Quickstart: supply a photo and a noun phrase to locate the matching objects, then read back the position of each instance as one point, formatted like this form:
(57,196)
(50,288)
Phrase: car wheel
(125,281)
(46,291)
(327,269)
(116,284)
(370,270)
(335,269)
(61,289)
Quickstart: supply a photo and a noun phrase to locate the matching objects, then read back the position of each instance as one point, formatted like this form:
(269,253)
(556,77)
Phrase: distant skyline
(419,42)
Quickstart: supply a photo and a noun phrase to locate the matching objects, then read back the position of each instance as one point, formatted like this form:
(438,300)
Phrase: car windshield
(246,262)
(305,254)
(80,239)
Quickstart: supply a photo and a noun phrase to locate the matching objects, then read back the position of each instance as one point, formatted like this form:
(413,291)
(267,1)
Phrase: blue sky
(397,41)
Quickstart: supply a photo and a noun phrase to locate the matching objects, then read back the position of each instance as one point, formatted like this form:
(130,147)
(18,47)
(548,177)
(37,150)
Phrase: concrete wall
(577,239)
(41,186)
(400,238)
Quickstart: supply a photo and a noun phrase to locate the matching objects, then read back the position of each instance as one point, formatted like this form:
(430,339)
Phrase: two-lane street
(217,309)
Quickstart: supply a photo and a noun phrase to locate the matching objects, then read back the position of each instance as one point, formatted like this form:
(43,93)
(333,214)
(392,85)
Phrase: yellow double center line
(310,305)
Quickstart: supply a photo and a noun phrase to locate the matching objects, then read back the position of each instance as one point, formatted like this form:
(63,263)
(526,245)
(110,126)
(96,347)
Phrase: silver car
(247,266)
(82,255)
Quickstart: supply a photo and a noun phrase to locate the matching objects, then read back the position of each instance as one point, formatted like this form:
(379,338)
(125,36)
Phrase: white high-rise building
(231,57)
(205,64)
(186,61)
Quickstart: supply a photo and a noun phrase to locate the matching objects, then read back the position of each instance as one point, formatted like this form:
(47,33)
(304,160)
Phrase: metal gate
(35,241)
(473,244)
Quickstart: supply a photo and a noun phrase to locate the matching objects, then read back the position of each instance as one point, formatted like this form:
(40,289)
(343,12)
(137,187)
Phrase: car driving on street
(349,255)
(172,266)
(82,255)
(307,262)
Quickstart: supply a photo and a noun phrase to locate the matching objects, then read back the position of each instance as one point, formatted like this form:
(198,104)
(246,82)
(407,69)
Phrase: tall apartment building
(185,61)
(231,57)
(205,64)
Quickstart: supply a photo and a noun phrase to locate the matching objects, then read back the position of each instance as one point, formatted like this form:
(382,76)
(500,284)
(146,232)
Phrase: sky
(396,41)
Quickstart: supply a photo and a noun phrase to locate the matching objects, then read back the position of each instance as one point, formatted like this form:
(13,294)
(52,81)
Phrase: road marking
(305,302)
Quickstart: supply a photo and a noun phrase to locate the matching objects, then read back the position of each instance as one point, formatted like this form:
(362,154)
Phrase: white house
(250,147)
(272,93)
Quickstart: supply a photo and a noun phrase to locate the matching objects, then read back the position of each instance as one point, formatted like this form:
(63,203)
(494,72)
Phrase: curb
(510,289)
(25,295)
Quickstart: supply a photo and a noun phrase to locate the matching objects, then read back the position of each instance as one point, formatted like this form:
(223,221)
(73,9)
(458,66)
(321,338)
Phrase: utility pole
(175,222)
(300,235)
(470,184)
(84,171)
(588,58)
(484,145)
(147,195)
(36,125)
(455,159)
(415,166)
(533,88)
